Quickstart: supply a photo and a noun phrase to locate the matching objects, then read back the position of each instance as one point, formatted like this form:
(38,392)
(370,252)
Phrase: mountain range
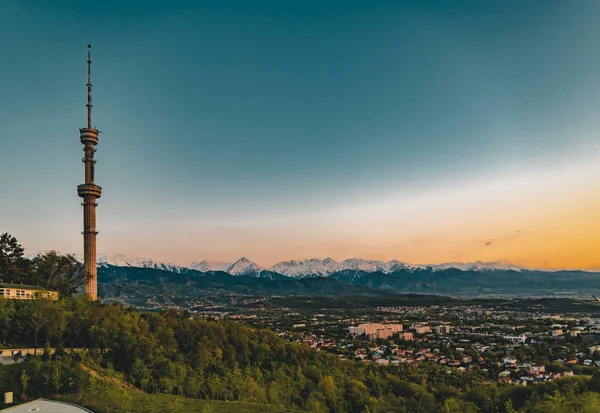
(296,268)
(142,281)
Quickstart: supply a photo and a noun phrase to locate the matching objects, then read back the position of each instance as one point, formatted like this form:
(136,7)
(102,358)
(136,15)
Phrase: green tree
(24,382)
(56,322)
(508,407)
(13,265)
(328,388)
(92,387)
(56,377)
(253,392)
(357,396)
(453,405)
(38,318)
(47,354)
(7,314)
(56,272)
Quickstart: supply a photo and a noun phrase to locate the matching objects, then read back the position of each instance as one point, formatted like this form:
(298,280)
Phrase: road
(7,353)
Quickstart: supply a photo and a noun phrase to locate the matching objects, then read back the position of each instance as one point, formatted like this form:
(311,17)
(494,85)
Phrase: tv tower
(89,191)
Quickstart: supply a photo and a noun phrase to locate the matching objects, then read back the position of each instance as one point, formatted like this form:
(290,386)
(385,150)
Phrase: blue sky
(238,128)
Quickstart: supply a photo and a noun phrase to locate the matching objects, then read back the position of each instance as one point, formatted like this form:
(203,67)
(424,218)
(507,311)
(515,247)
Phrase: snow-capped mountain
(338,278)
(313,267)
(329,266)
(295,268)
(120,260)
(373,266)
(209,265)
(244,266)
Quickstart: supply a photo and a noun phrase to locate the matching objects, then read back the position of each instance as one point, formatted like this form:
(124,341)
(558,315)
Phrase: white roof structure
(46,406)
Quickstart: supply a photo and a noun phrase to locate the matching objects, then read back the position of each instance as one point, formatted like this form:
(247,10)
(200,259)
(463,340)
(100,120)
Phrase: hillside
(171,362)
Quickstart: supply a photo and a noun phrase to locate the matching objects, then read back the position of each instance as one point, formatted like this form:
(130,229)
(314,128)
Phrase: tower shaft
(89,246)
(89,191)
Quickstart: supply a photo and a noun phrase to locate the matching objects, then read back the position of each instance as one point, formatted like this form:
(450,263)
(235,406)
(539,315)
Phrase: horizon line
(449,264)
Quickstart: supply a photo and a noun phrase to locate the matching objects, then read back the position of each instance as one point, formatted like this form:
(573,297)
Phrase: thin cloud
(503,239)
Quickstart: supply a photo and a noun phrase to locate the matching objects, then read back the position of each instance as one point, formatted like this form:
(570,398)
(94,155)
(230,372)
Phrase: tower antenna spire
(89,88)
(89,191)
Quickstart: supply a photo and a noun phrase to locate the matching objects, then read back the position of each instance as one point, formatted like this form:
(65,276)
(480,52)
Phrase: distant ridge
(210,265)
(120,260)
(314,267)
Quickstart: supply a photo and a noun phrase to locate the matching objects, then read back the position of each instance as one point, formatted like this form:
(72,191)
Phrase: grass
(109,395)
(137,401)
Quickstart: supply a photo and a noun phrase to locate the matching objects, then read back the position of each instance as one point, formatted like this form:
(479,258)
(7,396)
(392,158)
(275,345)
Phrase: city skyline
(422,132)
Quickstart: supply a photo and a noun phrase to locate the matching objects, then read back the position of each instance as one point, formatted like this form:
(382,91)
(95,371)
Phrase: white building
(26,292)
(516,339)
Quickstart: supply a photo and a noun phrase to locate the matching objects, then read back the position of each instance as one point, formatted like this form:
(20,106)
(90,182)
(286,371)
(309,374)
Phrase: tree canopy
(51,270)
(177,354)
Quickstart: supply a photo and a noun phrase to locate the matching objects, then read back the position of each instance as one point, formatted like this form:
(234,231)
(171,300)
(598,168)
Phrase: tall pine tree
(13,265)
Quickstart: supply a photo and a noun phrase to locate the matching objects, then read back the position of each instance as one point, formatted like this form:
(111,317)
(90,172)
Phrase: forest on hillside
(174,354)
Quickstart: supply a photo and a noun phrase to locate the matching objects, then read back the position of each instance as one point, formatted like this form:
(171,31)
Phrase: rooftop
(22,286)
(46,406)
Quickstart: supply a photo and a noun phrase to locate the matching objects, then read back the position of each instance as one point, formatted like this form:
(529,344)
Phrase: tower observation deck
(89,191)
